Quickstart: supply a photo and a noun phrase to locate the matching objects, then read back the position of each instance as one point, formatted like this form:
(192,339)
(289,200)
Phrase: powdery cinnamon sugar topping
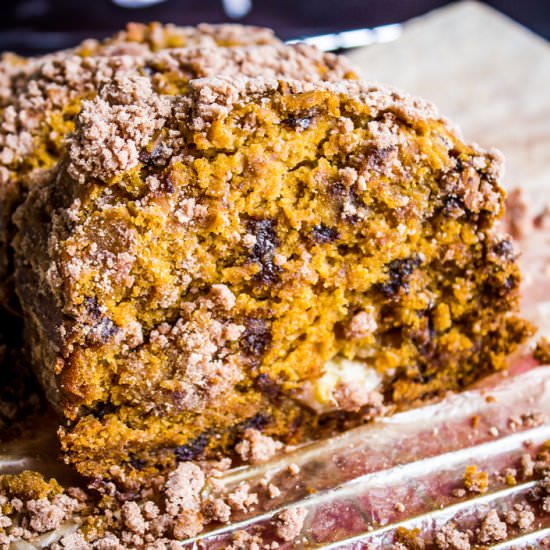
(113,128)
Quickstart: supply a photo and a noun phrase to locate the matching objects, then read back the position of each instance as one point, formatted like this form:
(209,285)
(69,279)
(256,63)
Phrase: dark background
(34,26)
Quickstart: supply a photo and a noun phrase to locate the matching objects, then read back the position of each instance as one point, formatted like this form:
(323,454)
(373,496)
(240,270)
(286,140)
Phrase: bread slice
(258,252)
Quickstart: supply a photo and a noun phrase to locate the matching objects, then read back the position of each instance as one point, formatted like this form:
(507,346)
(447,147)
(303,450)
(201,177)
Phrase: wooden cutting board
(485,72)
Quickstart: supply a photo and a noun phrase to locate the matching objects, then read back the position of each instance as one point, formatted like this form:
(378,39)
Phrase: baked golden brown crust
(211,261)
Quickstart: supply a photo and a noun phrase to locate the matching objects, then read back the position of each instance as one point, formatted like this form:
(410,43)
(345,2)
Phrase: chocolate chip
(102,327)
(102,331)
(270,274)
(106,329)
(509,284)
(257,336)
(92,307)
(454,207)
(166,185)
(191,450)
(266,237)
(267,386)
(156,157)
(103,409)
(398,273)
(337,190)
(136,462)
(258,422)
(144,156)
(299,121)
(263,250)
(324,234)
(495,289)
(376,157)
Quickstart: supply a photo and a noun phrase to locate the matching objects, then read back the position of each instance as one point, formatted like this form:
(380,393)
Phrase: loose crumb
(493,529)
(289,523)
(450,538)
(256,447)
(475,481)
(520,516)
(241,499)
(527,465)
(273,490)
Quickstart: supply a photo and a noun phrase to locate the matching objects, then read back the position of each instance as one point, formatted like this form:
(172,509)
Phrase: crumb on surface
(242,499)
(493,529)
(527,465)
(289,523)
(451,538)
(476,481)
(273,491)
(520,516)
(399,507)
(256,447)
(183,488)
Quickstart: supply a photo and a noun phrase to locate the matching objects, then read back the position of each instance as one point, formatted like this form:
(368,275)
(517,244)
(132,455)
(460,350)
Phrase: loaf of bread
(256,251)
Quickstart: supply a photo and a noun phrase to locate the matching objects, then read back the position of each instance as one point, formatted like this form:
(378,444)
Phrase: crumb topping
(493,529)
(289,523)
(450,538)
(256,447)
(183,488)
(114,127)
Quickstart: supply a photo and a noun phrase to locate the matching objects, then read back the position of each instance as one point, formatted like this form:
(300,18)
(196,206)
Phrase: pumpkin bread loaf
(257,252)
